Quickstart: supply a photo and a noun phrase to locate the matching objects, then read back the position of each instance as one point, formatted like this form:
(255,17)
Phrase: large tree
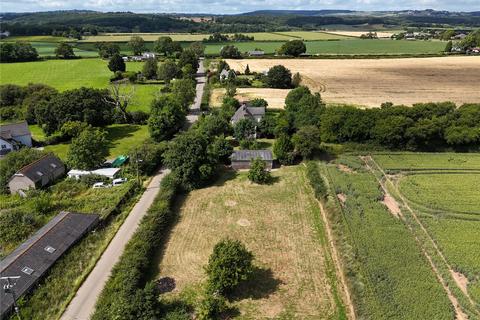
(64,51)
(166,46)
(88,150)
(229,264)
(108,49)
(167,116)
(283,149)
(150,68)
(168,71)
(244,129)
(188,57)
(230,52)
(184,90)
(137,45)
(279,77)
(116,63)
(293,48)
(306,141)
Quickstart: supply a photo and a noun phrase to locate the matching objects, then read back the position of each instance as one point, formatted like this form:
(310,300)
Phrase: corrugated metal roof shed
(32,259)
(248,155)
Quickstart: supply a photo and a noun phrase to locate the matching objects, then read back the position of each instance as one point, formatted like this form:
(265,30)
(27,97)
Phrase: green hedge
(316,181)
(126,295)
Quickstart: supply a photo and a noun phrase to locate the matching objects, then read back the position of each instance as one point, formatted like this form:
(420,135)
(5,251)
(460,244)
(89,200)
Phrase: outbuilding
(110,173)
(241,159)
(37,174)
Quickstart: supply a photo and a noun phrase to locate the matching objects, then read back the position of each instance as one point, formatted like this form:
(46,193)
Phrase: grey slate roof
(45,165)
(12,130)
(248,155)
(246,111)
(60,234)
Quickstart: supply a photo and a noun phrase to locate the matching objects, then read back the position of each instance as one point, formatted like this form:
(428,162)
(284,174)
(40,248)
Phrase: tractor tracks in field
(459,312)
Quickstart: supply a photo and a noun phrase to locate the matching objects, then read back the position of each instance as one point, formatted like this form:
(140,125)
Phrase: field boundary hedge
(128,275)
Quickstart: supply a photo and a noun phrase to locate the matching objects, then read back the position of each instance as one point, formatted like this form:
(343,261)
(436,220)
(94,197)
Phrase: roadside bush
(258,172)
(125,295)
(229,264)
(148,156)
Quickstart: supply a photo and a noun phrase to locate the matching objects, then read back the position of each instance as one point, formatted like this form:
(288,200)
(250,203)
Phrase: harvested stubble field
(380,34)
(276,222)
(370,82)
(274,97)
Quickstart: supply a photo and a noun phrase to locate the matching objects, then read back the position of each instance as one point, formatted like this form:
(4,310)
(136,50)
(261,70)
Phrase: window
(27,270)
(4,146)
(39,173)
(50,249)
(53,165)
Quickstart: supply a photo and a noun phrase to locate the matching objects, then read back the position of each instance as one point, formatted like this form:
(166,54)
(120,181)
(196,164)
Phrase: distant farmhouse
(13,136)
(241,159)
(225,74)
(247,112)
(256,53)
(143,57)
(37,174)
(33,258)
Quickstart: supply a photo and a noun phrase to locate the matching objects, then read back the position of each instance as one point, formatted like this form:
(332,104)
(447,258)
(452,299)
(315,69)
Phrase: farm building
(33,258)
(110,173)
(225,74)
(241,159)
(247,112)
(37,174)
(13,136)
(256,53)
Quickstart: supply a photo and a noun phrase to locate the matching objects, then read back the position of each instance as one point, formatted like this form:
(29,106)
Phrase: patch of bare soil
(345,168)
(460,280)
(243,222)
(392,205)
(230,203)
(342,197)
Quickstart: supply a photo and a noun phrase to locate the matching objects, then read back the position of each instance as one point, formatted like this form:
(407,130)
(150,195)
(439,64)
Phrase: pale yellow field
(370,82)
(124,37)
(274,97)
(275,222)
(380,34)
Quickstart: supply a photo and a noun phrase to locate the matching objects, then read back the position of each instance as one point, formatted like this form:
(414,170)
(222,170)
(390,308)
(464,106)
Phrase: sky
(231,7)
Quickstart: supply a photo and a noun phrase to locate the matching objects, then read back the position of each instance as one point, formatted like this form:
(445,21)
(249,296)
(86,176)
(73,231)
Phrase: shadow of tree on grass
(261,285)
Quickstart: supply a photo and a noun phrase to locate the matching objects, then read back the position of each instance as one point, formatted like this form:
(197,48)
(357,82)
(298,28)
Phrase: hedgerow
(126,294)
(316,181)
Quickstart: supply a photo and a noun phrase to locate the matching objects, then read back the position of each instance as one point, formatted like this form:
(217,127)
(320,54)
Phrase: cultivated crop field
(370,82)
(280,224)
(72,74)
(274,97)
(388,276)
(443,192)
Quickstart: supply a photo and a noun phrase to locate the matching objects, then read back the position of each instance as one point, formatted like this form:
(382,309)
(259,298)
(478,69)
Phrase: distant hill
(311,13)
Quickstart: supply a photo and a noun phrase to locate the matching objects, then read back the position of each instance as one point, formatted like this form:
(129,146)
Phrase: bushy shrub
(258,172)
(229,264)
(211,306)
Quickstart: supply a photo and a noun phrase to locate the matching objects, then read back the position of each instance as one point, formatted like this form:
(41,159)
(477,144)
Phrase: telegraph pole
(8,288)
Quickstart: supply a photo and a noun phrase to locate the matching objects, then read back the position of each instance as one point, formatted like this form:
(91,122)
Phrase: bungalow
(241,159)
(474,51)
(13,136)
(36,174)
(247,112)
(256,53)
(148,55)
(110,173)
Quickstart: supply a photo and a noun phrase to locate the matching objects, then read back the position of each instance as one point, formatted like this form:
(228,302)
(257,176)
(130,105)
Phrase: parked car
(118,181)
(100,185)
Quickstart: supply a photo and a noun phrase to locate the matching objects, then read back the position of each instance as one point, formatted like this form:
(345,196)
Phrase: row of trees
(17,52)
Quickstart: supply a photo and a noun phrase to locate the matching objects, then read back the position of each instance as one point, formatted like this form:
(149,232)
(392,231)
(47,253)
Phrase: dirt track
(370,82)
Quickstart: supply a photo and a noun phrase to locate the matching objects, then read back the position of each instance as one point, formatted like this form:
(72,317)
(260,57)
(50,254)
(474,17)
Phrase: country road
(83,304)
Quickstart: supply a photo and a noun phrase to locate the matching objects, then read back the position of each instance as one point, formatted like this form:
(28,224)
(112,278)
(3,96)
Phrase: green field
(122,138)
(388,276)
(426,161)
(71,74)
(340,47)
(443,190)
